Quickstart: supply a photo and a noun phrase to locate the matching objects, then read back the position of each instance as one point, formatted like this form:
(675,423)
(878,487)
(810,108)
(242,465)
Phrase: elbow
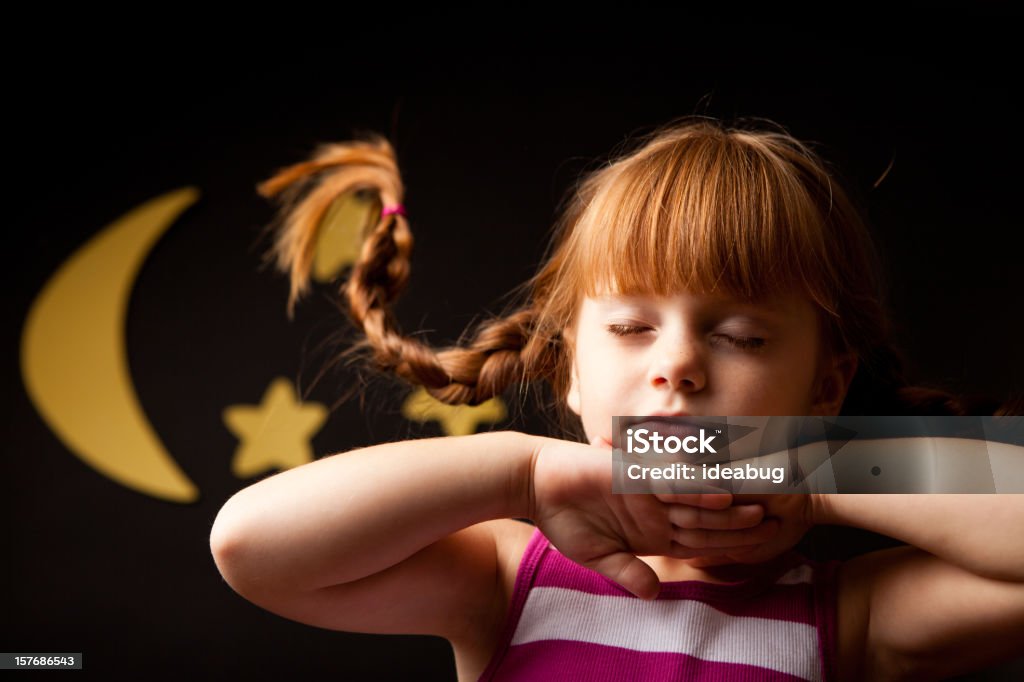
(245,562)
(223,552)
(229,549)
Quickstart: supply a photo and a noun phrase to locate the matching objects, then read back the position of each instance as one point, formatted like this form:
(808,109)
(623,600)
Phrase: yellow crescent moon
(73,358)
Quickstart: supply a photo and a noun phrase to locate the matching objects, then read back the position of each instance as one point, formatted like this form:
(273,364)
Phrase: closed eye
(626,329)
(747,343)
(743,342)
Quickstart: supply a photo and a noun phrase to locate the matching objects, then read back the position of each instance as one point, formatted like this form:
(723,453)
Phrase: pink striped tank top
(566,622)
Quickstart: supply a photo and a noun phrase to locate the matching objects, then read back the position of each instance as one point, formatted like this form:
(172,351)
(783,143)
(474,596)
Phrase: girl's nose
(678,366)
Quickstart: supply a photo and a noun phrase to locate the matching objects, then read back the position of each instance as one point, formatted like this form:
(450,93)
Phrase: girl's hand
(573,505)
(795,515)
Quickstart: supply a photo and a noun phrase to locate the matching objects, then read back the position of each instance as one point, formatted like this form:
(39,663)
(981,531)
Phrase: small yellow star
(276,433)
(456,420)
(341,233)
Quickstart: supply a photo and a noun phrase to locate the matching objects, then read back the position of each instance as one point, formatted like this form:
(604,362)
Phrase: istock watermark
(880,454)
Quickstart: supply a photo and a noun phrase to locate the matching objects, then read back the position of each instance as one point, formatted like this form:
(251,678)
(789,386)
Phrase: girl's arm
(324,542)
(982,534)
(404,537)
(952,602)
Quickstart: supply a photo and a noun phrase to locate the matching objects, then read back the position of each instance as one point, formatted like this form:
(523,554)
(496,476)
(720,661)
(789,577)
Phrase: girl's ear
(572,398)
(833,383)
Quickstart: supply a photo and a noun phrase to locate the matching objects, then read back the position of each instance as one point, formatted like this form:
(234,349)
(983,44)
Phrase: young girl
(711,271)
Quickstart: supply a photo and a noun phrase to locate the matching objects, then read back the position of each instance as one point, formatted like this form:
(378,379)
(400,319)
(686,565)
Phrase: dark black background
(490,132)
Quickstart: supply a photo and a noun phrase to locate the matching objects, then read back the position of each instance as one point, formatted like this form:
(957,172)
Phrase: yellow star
(276,433)
(341,233)
(456,420)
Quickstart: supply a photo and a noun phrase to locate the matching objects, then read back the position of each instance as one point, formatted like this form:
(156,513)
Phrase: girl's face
(700,355)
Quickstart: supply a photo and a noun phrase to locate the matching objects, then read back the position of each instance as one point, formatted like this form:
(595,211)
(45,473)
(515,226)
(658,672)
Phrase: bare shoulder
(853,591)
(906,613)
(476,645)
(457,587)
(510,540)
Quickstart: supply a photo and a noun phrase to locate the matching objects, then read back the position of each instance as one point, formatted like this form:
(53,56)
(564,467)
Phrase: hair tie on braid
(458,375)
(307,191)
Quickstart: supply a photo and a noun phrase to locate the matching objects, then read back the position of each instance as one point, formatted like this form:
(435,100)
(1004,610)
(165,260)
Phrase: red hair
(695,205)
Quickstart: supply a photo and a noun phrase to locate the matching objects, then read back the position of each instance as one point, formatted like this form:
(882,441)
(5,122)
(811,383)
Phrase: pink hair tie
(388,210)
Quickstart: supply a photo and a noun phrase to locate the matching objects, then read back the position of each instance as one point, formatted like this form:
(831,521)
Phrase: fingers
(714,498)
(701,538)
(630,572)
(731,518)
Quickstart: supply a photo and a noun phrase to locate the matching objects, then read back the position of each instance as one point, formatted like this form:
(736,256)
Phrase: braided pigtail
(308,190)
(503,350)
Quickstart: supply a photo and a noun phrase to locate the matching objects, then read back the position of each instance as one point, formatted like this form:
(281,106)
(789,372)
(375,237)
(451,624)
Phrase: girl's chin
(706,561)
